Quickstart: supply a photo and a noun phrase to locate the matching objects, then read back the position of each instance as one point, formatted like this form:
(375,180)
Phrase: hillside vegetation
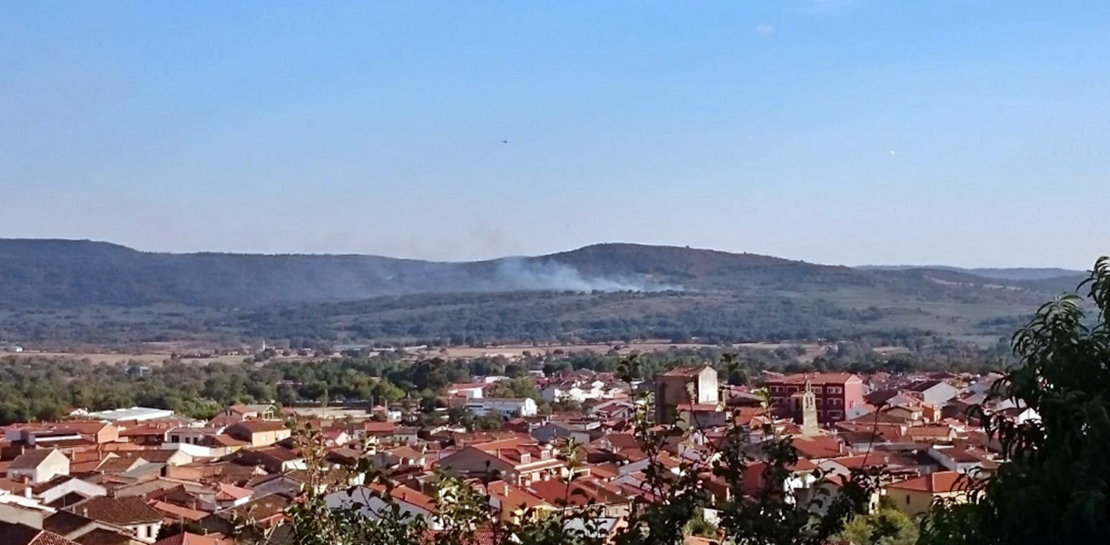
(103,293)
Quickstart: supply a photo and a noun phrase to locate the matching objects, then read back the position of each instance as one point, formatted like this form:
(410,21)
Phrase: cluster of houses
(578,386)
(120,477)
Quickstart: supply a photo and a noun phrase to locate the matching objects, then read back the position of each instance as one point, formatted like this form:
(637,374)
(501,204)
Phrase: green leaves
(1053,489)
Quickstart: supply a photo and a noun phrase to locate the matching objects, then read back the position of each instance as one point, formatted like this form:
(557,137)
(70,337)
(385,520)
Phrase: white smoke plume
(518,274)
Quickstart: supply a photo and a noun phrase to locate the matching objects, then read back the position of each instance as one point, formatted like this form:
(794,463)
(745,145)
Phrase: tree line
(37,388)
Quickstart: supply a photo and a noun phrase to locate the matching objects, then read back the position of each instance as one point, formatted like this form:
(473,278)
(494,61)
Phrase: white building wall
(372,505)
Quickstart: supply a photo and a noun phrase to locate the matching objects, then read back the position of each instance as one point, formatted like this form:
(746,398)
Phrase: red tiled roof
(143,431)
(21,534)
(379,427)
(822,446)
(177,512)
(816,379)
(64,522)
(227,492)
(260,426)
(124,511)
(686,371)
(227,441)
(408,495)
(513,497)
(578,492)
(940,482)
(80,426)
(604,471)
(104,536)
(188,539)
(30,459)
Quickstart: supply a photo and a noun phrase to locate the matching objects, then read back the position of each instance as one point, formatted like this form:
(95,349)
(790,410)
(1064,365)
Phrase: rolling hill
(101,292)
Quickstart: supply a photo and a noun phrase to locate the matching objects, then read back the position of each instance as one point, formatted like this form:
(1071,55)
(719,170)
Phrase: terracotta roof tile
(816,379)
(940,482)
(187,538)
(30,459)
(104,536)
(64,522)
(118,511)
(686,371)
(21,534)
(177,512)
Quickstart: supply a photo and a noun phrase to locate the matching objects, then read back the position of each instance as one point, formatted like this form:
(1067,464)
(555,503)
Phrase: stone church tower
(808,412)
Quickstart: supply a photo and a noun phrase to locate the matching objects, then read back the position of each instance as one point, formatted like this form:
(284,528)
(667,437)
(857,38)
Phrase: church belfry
(808,412)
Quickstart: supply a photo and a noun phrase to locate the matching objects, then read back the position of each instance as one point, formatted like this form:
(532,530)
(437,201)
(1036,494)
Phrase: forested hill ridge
(67,273)
(59,291)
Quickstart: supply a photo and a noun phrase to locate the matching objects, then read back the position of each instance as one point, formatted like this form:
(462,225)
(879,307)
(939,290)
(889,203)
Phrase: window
(907,499)
(792,389)
(835,414)
(525,458)
(818,402)
(834,402)
(817,389)
(776,389)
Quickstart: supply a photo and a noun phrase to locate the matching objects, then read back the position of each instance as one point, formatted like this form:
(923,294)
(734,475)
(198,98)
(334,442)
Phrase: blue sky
(966,132)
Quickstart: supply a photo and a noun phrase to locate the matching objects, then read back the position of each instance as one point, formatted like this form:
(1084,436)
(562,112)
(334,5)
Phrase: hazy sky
(969,132)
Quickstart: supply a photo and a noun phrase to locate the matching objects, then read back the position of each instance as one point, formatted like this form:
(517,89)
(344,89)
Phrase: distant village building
(133,413)
(131,513)
(264,411)
(685,389)
(39,466)
(504,407)
(916,496)
(834,394)
(471,390)
(259,433)
(520,460)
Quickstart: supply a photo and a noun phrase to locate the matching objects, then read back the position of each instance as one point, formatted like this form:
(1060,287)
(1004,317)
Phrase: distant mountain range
(599,291)
(1018,273)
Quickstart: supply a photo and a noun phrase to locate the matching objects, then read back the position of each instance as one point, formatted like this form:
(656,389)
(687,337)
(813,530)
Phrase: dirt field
(330,413)
(812,351)
(514,351)
(153,359)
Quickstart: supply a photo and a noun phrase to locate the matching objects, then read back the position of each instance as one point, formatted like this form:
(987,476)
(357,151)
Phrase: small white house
(50,493)
(471,390)
(955,459)
(39,466)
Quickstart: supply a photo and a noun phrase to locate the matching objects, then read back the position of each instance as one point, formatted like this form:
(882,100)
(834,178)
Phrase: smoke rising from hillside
(518,274)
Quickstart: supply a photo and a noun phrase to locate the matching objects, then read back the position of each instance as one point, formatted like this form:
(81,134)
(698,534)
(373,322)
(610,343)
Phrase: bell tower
(808,412)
